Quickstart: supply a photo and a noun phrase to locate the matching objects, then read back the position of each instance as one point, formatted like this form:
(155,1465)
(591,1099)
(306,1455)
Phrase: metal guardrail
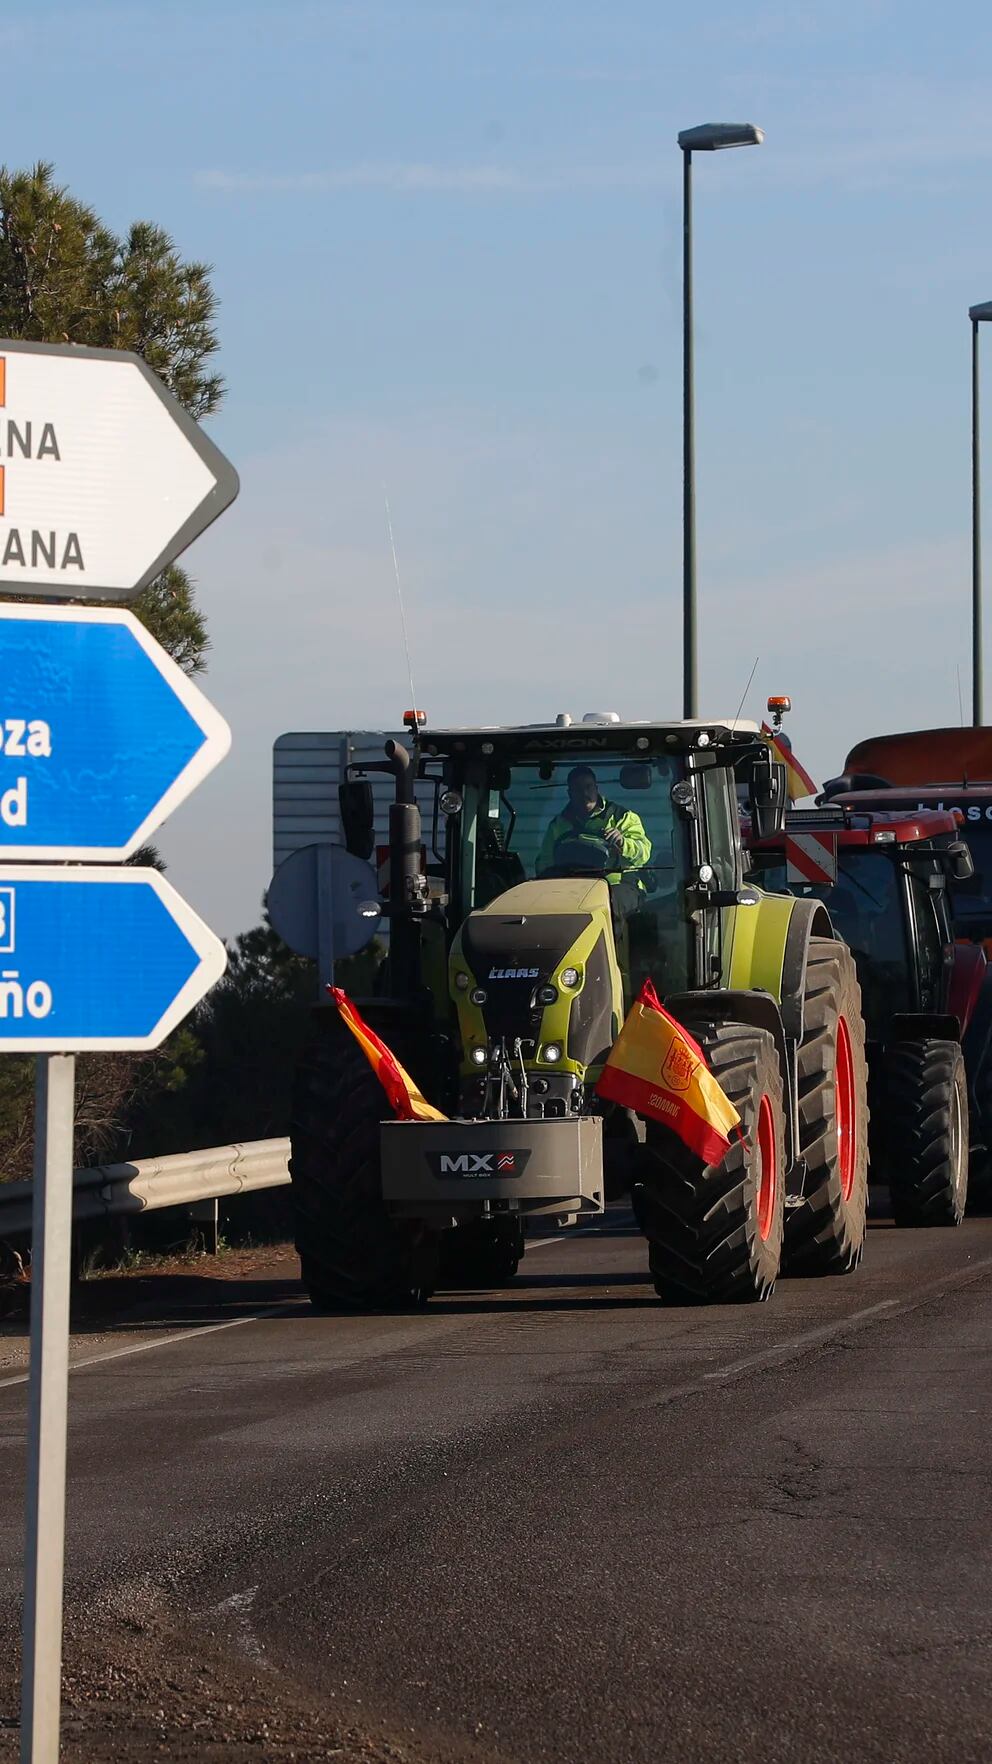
(184,1180)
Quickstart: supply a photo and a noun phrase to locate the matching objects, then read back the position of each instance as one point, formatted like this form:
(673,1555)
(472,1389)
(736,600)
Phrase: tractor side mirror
(769,798)
(357,816)
(960,863)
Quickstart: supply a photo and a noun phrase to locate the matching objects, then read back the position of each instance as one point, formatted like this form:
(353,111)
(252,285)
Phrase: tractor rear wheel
(353,1254)
(825,1234)
(715,1230)
(485,1252)
(926,1095)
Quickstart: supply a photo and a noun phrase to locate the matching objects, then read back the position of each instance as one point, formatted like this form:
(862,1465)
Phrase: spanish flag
(405,1099)
(656,1068)
(799,781)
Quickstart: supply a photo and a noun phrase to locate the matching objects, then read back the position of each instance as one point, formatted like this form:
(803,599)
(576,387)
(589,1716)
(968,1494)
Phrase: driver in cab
(589,816)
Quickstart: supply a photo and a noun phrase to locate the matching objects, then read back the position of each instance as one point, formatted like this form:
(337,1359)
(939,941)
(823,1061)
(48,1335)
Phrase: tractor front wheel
(715,1230)
(353,1254)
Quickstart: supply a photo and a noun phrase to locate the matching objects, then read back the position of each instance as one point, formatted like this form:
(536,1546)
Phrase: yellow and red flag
(799,781)
(656,1068)
(405,1099)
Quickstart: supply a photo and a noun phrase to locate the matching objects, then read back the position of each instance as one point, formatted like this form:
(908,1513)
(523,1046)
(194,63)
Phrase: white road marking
(780,1350)
(783,1349)
(145,1347)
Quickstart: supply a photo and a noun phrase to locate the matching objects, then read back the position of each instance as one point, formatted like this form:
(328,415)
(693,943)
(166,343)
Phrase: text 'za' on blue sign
(97,959)
(101,734)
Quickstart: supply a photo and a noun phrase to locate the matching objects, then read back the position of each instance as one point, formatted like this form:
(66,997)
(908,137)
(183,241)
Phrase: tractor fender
(967,979)
(761,1011)
(767,949)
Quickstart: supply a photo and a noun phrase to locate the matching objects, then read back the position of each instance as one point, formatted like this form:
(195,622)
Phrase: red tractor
(884,880)
(949,770)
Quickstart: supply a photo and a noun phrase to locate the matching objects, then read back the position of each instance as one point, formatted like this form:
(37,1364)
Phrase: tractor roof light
(414,719)
(780,702)
(478,1056)
(885,838)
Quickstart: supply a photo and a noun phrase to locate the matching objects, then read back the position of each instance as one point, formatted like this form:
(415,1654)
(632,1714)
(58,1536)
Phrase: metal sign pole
(48,1396)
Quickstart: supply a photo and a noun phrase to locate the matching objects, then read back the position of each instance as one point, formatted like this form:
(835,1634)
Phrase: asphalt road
(557,1522)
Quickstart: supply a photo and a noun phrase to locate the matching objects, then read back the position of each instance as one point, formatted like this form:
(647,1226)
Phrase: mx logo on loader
(479,1164)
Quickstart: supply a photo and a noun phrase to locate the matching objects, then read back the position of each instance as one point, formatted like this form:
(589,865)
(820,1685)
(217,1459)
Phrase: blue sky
(446,242)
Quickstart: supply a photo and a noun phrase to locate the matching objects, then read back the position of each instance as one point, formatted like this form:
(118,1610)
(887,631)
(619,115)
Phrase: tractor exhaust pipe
(406,890)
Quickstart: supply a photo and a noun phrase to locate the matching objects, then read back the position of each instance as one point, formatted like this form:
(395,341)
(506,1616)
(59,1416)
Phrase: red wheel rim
(845,1111)
(767,1169)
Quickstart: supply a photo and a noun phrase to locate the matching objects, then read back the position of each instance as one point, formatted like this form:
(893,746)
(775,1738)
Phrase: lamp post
(706,138)
(977,315)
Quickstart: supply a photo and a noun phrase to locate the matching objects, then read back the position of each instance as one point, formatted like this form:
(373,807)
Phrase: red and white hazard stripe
(811,857)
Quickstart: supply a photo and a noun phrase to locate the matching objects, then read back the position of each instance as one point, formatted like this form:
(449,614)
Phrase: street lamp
(977,315)
(707,138)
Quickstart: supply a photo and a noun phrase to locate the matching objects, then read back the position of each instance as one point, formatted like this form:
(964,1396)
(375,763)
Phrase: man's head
(583,790)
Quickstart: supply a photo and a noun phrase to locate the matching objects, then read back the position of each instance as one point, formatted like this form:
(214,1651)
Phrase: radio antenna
(747,688)
(960,700)
(399,596)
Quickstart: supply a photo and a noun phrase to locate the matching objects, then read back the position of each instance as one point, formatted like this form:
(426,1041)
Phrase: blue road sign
(97,959)
(101,734)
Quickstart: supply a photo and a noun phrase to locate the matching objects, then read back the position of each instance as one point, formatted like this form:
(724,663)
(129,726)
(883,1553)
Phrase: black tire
(353,1255)
(715,1230)
(926,1095)
(483,1253)
(825,1234)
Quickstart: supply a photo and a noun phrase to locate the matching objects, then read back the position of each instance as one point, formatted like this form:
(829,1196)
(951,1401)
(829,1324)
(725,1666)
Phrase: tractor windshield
(866,907)
(606,817)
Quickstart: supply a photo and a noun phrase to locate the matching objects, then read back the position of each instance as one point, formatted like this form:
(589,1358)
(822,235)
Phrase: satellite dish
(325,903)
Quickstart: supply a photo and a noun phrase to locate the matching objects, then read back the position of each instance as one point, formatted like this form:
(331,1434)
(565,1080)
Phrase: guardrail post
(207,1215)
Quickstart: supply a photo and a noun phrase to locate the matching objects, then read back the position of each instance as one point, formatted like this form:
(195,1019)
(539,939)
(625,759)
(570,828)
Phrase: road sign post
(48,1382)
(104,480)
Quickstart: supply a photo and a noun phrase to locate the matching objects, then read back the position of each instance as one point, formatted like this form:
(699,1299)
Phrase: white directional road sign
(104,478)
(101,734)
(95,959)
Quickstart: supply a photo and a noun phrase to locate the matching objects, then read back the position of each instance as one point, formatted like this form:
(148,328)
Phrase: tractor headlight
(569,977)
(478,1056)
(478,995)
(547,995)
(551,1052)
(462,982)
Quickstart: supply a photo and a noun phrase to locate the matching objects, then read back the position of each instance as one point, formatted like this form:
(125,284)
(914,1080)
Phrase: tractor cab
(884,880)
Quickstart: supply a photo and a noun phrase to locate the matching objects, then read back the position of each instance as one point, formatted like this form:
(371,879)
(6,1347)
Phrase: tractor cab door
(932,935)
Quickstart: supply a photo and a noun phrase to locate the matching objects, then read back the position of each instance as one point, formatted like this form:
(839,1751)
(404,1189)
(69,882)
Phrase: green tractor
(559,867)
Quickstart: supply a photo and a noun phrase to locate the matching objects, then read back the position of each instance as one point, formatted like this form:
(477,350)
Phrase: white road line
(783,1349)
(909,1301)
(145,1347)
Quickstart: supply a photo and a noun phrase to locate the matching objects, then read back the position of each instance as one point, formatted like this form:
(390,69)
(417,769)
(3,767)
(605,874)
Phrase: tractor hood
(507,968)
